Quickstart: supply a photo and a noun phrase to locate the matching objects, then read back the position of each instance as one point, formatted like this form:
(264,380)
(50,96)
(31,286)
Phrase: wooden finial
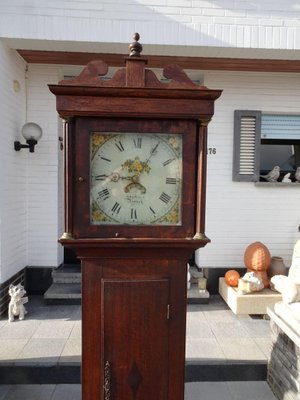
(135,47)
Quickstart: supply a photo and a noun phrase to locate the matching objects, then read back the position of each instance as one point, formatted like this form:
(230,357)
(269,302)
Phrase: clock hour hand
(114,177)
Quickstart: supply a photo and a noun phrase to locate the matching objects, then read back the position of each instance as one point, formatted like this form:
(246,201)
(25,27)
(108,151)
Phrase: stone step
(63,293)
(194,372)
(67,274)
(66,285)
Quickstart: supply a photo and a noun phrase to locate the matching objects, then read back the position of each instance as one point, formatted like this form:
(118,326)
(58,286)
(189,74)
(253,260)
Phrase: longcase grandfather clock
(135,180)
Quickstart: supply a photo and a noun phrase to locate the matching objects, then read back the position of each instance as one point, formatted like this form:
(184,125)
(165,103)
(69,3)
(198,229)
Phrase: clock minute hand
(152,152)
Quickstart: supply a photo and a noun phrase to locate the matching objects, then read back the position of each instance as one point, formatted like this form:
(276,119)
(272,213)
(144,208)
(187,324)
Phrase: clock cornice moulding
(89,94)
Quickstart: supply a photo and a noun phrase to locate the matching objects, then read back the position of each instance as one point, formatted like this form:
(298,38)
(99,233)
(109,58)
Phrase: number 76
(211,150)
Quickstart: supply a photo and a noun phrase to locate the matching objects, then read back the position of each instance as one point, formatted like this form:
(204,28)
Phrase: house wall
(13,166)
(239,213)
(31,200)
(45,171)
(186,23)
(31,209)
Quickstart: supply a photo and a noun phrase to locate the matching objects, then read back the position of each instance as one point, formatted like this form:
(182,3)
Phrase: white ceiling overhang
(150,49)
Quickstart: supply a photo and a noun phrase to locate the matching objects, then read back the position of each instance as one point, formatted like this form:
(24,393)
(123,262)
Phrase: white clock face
(135,178)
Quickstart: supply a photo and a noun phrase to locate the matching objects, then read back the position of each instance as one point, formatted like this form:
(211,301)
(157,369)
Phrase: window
(263,141)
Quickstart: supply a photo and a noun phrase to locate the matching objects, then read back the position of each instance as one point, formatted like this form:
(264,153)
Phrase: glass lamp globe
(32,131)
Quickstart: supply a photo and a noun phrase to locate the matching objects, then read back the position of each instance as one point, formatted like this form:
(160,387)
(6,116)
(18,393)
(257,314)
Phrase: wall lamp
(32,133)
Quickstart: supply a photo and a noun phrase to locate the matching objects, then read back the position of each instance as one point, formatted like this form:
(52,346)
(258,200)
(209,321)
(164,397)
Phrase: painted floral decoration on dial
(135,178)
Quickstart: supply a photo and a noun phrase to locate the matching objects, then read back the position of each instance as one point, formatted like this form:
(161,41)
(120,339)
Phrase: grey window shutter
(246,145)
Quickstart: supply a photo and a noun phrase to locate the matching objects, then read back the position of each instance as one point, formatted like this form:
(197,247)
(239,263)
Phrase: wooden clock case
(134,276)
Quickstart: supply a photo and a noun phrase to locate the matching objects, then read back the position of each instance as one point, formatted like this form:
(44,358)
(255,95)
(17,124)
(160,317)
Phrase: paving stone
(19,329)
(259,390)
(76,331)
(193,391)
(56,329)
(265,345)
(41,351)
(67,313)
(243,317)
(257,328)
(240,349)
(71,353)
(220,315)
(52,337)
(215,303)
(205,350)
(3,391)
(35,301)
(67,392)
(194,314)
(207,391)
(225,329)
(37,313)
(198,329)
(10,349)
(30,392)
(3,322)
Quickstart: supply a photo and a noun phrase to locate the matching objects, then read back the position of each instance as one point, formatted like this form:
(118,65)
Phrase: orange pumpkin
(232,277)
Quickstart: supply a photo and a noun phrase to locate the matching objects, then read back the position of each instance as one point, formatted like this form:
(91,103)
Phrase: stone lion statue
(17,301)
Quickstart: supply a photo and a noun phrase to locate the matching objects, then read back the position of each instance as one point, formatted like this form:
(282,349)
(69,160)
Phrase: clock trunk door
(136,339)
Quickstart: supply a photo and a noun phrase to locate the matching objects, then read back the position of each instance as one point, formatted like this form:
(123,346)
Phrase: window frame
(247,144)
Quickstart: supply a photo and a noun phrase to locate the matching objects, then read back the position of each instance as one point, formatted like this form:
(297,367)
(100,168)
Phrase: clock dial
(135,178)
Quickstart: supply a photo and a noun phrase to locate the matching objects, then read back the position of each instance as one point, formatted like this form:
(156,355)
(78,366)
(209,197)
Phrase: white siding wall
(239,213)
(13,166)
(45,218)
(31,214)
(220,23)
